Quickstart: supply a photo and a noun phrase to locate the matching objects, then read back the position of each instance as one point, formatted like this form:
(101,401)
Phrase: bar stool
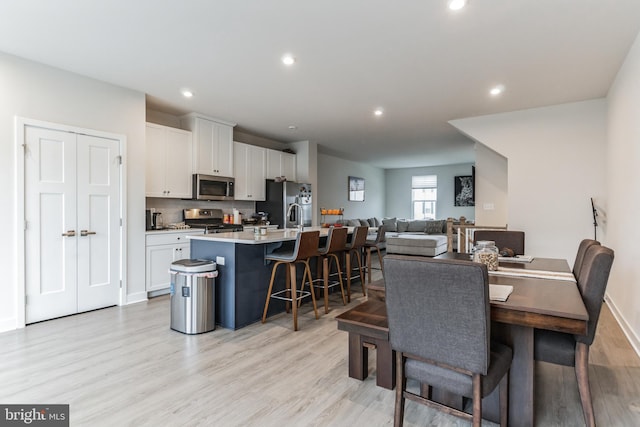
(355,247)
(306,246)
(369,245)
(336,243)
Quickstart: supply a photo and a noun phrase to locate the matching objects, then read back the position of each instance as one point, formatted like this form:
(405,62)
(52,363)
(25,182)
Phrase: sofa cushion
(435,227)
(353,223)
(364,222)
(416,240)
(403,226)
(390,224)
(417,225)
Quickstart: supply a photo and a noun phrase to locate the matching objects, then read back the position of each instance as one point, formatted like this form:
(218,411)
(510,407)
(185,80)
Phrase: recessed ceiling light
(187,93)
(497,90)
(293,127)
(288,59)
(457,4)
(378,112)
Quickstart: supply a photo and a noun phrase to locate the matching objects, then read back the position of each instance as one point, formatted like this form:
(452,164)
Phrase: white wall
(623,194)
(40,92)
(333,178)
(556,159)
(398,182)
(491,187)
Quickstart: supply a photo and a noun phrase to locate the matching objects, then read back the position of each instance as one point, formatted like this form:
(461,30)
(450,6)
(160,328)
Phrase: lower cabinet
(163,248)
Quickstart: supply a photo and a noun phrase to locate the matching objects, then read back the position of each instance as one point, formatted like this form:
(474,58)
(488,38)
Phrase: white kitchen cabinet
(250,165)
(168,166)
(163,248)
(213,144)
(280,163)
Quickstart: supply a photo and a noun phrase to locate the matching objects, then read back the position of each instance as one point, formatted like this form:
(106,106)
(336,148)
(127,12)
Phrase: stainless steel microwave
(209,187)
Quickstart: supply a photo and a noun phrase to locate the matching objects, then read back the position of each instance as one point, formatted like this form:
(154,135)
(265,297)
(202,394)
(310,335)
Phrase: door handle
(86,233)
(69,233)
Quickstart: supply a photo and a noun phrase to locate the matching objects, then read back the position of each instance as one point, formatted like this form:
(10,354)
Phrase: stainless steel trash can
(193,296)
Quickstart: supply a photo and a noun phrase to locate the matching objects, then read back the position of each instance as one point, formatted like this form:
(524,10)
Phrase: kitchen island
(243,273)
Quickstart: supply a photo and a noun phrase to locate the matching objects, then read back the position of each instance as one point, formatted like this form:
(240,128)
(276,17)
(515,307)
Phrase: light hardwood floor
(123,366)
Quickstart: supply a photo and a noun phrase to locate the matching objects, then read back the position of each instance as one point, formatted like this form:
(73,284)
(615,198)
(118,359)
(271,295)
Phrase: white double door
(72,230)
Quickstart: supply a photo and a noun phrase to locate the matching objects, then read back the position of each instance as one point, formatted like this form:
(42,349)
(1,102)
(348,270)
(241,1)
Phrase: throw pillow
(417,225)
(372,222)
(403,226)
(354,223)
(364,222)
(434,227)
(390,224)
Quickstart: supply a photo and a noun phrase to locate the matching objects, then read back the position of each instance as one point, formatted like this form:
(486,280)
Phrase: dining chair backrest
(380,235)
(582,250)
(336,240)
(359,236)
(504,239)
(592,283)
(439,310)
(306,244)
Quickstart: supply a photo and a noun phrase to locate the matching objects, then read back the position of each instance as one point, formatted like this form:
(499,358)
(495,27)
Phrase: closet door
(72,213)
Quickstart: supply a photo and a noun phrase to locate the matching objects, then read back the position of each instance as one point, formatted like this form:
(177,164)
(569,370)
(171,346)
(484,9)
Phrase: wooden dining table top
(539,303)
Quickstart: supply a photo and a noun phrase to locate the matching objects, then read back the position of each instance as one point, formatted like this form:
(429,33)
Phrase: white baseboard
(8,324)
(624,325)
(136,297)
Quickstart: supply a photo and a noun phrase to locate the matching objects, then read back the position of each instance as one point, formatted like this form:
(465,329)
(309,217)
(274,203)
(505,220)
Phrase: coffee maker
(153,220)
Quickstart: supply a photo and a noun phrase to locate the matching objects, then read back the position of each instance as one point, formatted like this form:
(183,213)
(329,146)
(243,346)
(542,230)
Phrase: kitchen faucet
(300,219)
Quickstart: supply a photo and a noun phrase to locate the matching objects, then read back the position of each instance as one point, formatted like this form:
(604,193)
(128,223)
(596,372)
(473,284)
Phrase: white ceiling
(416,59)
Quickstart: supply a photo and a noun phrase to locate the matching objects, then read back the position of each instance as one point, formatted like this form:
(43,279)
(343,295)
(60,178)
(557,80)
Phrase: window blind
(424,181)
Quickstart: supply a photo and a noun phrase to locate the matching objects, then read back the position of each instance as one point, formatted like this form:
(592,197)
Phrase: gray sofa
(409,237)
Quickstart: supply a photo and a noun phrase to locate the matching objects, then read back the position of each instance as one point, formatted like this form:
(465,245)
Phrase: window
(424,195)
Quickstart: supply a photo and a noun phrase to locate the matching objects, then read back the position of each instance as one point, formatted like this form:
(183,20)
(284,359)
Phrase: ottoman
(417,244)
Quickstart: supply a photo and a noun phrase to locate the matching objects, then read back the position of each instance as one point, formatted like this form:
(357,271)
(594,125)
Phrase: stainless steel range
(209,219)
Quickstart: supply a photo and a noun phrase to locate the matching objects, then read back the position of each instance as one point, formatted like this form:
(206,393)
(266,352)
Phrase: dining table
(545,295)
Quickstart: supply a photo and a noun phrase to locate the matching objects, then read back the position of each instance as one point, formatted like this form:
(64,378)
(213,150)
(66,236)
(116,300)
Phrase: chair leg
(360,268)
(369,264)
(325,278)
(582,375)
(294,293)
(477,400)
(334,257)
(504,400)
(401,384)
(307,270)
(266,303)
(347,271)
(380,260)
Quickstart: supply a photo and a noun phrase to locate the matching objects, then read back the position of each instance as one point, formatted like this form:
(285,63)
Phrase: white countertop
(250,238)
(176,230)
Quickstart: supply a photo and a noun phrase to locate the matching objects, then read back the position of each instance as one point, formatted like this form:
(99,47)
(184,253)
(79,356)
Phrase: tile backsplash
(171,209)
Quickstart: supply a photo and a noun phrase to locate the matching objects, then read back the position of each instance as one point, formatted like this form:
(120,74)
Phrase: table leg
(385,365)
(521,375)
(358,357)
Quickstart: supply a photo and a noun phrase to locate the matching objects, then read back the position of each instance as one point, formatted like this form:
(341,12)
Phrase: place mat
(517,258)
(499,292)
(536,274)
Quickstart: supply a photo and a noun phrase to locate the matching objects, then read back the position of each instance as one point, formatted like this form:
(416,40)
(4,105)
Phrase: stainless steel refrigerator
(280,195)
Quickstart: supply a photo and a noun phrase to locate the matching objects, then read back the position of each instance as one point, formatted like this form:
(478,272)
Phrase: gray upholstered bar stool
(306,247)
(370,245)
(354,248)
(336,242)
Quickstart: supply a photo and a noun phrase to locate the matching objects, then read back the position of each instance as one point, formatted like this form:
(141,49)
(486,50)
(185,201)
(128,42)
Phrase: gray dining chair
(440,328)
(573,350)
(504,239)
(582,250)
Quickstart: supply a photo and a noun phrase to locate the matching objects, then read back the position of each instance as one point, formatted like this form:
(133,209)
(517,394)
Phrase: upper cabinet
(213,144)
(168,166)
(250,165)
(280,163)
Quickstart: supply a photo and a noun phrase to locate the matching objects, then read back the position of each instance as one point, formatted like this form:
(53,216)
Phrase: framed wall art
(356,189)
(463,188)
